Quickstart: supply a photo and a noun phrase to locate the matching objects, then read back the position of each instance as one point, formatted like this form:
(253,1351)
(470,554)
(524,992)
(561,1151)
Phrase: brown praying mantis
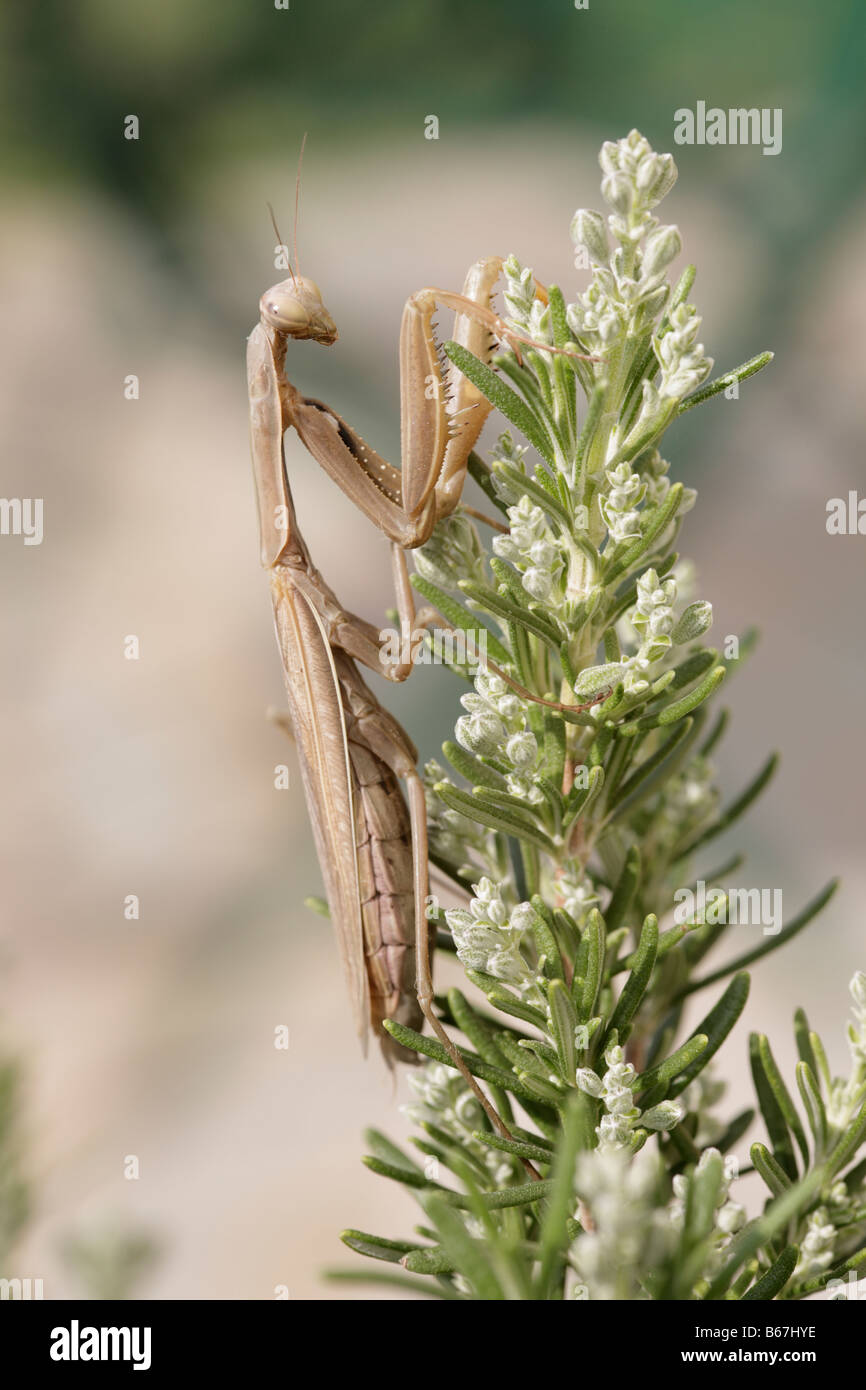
(371,845)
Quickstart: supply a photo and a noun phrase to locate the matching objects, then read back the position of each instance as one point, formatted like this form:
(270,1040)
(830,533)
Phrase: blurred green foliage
(221,86)
(14,1191)
(217,80)
(110,1264)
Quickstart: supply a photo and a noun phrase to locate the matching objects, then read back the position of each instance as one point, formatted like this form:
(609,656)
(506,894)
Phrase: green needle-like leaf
(495,818)
(481,474)
(396,1173)
(804,1045)
(505,607)
(518,1148)
(376,1247)
(772,1172)
(623,893)
(771,1110)
(476,772)
(576,1135)
(636,985)
(545,499)
(735,1131)
(546,946)
(776,1276)
(772,943)
(501,397)
(716,1027)
(468,1255)
(736,809)
(783,1097)
(813,1104)
(721,383)
(654,771)
(429,1261)
(389,1152)
(563,1022)
(478,1030)
(581,798)
(669,714)
(849,1143)
(702,1200)
(431,1047)
(462,618)
(587,434)
(672,1066)
(758,1234)
(595,938)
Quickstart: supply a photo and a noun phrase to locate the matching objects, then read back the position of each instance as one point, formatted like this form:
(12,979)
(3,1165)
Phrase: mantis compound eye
(284,310)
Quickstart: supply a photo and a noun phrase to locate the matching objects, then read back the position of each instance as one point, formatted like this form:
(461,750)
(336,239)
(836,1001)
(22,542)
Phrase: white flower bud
(522,917)
(458,918)
(653,301)
(474,703)
(538,583)
(618,191)
(731,1218)
(858,989)
(608,327)
(509,706)
(588,1082)
(480,733)
(588,229)
(490,685)
(542,553)
(656,176)
(608,157)
(505,548)
(522,749)
(594,679)
(664,1116)
(660,248)
(694,621)
(626,526)
(661,622)
(620,1101)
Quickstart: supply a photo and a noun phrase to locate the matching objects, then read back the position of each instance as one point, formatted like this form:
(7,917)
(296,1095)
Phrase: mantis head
(295,307)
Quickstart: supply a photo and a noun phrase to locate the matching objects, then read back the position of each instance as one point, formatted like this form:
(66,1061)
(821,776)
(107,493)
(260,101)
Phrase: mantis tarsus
(372,847)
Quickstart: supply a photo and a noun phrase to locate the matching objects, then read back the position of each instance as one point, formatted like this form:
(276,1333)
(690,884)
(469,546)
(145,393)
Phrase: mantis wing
(313,690)
(320,732)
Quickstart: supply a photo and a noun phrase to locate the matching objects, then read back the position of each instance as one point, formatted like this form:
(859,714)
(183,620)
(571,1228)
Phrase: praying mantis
(353,754)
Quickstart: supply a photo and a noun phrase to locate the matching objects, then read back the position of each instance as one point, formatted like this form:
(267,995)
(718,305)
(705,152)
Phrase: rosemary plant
(579,799)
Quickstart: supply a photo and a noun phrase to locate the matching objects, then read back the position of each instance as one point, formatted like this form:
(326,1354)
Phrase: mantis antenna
(297,200)
(280,241)
(297,270)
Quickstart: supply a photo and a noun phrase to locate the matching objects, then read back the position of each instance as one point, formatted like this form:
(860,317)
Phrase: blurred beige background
(155,777)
